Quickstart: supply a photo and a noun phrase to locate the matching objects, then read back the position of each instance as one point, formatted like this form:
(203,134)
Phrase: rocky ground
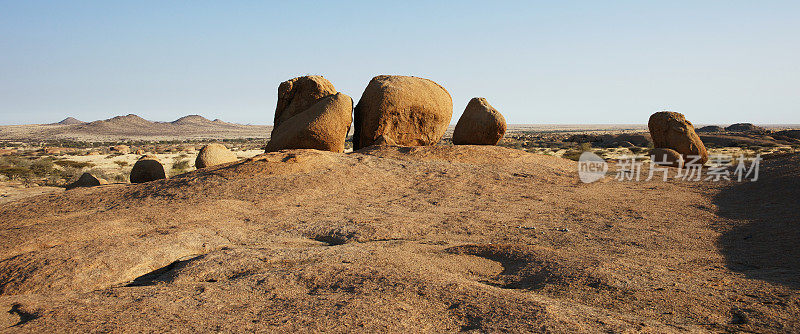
(435,239)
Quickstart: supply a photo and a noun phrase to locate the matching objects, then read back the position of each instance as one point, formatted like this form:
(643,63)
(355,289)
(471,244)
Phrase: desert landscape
(425,226)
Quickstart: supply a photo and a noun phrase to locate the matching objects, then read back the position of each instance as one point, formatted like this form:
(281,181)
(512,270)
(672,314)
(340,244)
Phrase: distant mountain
(133,127)
(191,119)
(70,121)
(129,120)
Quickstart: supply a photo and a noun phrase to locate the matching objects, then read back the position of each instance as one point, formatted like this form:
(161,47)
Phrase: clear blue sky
(536,61)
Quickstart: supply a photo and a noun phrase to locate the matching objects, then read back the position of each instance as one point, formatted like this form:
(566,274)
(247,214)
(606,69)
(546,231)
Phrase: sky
(537,62)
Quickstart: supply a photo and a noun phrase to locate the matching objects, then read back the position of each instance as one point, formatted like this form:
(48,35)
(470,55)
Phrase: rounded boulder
(406,111)
(214,154)
(666,157)
(480,124)
(147,169)
(86,180)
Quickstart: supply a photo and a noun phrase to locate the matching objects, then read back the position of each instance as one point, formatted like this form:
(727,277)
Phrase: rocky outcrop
(323,126)
(711,128)
(744,127)
(310,115)
(671,130)
(298,94)
(86,180)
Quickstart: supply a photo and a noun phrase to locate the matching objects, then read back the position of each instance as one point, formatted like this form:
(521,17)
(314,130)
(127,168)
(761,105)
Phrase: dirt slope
(435,239)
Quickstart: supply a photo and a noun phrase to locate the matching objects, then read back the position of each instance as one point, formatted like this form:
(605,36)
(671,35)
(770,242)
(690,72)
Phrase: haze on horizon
(575,62)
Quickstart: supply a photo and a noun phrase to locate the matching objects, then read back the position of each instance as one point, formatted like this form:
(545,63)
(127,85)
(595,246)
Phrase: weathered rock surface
(214,154)
(480,124)
(323,126)
(666,157)
(405,239)
(86,180)
(147,169)
(298,94)
(406,111)
(671,130)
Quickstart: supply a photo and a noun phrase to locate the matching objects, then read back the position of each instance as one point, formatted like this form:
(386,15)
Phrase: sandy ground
(429,239)
(13,190)
(109,163)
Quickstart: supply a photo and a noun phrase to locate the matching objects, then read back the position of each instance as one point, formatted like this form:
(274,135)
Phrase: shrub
(121,163)
(16,172)
(74,164)
(575,153)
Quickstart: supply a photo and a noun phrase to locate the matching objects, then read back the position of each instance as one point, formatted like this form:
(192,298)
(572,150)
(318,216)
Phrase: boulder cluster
(310,114)
(671,131)
(393,110)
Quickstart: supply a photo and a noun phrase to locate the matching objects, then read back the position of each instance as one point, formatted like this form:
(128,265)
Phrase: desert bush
(180,165)
(108,176)
(121,163)
(575,153)
(74,164)
(16,172)
(43,166)
(638,150)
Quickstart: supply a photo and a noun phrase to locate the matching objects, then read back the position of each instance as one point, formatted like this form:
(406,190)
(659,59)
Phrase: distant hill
(133,127)
(70,121)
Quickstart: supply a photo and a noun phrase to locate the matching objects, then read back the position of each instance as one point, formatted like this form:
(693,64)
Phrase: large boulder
(401,110)
(666,157)
(214,154)
(86,180)
(323,126)
(298,94)
(671,130)
(480,124)
(147,169)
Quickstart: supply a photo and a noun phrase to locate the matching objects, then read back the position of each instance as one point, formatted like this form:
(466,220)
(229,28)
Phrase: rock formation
(666,157)
(323,126)
(310,114)
(147,169)
(214,154)
(86,180)
(298,94)
(480,124)
(671,130)
(407,111)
